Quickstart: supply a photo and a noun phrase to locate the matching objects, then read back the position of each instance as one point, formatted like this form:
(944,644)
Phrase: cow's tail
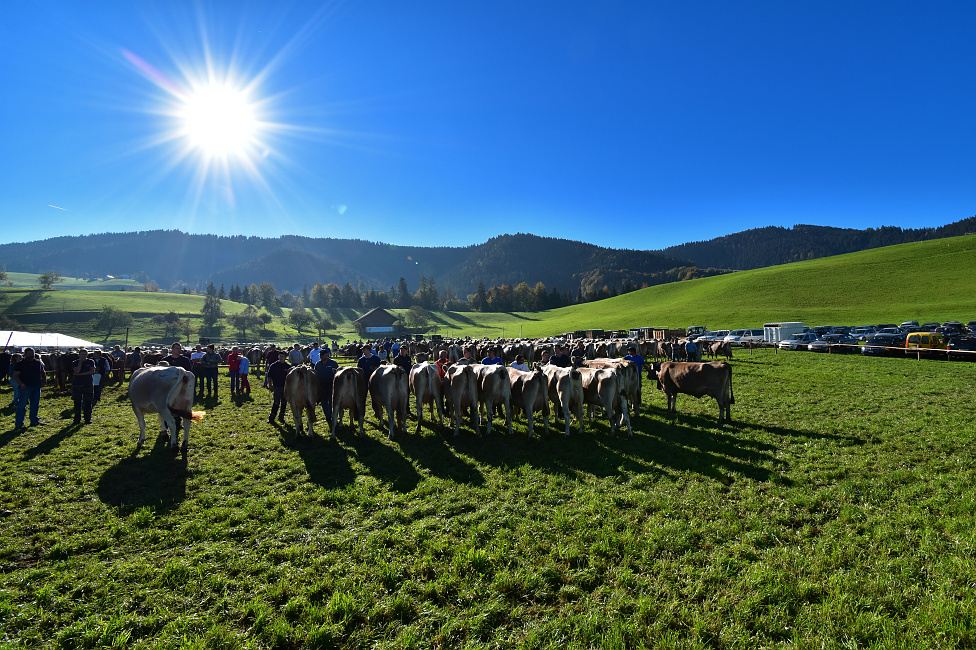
(196,416)
(309,398)
(731,394)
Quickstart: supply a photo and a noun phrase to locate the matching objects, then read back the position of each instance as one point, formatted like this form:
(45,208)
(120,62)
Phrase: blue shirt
(492,361)
(638,359)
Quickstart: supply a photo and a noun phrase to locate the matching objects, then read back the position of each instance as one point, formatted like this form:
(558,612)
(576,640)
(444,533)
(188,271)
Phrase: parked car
(910,326)
(961,348)
(835,343)
(930,327)
(927,345)
(798,341)
(746,337)
(863,331)
(884,345)
(971,326)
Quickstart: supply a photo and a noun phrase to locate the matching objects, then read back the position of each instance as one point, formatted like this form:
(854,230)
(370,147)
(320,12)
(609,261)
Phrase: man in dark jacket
(368,362)
(29,376)
(82,390)
(402,359)
(209,364)
(176,358)
(325,370)
(277,372)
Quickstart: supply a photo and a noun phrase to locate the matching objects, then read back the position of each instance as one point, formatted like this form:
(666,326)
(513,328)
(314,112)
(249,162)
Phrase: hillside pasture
(836,511)
(874,286)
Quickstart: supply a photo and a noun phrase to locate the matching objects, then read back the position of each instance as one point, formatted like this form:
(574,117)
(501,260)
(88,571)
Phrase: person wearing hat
(325,370)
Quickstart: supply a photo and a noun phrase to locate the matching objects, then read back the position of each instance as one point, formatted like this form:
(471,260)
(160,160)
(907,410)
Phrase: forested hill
(761,247)
(173,259)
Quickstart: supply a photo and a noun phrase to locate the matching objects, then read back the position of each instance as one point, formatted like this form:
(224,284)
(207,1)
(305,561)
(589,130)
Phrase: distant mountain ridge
(173,258)
(761,247)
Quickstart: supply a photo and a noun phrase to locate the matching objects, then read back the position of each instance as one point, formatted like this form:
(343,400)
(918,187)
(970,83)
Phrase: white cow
(167,391)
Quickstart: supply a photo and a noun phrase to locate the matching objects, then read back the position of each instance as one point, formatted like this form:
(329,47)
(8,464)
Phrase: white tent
(10,338)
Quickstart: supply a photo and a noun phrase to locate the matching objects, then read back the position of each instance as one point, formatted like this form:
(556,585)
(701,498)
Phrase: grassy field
(29,281)
(836,511)
(926,281)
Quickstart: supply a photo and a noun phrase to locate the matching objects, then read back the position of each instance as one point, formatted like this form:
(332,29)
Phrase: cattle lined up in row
(483,392)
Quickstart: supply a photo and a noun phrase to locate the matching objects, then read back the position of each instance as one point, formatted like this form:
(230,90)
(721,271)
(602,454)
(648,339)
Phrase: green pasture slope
(836,511)
(925,281)
(29,281)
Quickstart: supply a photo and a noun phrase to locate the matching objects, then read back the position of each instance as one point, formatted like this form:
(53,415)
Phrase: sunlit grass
(836,510)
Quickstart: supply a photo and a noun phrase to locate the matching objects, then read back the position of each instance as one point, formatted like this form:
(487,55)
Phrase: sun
(218,120)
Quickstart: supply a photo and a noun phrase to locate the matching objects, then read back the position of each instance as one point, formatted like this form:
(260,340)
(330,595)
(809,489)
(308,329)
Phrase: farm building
(377,321)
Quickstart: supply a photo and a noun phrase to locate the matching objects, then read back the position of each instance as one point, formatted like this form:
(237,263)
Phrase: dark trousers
(278,403)
(327,409)
(83,396)
(235,381)
(210,374)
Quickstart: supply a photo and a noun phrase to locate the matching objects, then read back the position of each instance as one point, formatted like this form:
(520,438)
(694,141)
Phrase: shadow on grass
(51,442)
(326,461)
(156,479)
(385,463)
(431,452)
(660,445)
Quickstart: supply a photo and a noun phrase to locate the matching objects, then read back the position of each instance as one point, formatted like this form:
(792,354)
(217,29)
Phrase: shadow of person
(326,461)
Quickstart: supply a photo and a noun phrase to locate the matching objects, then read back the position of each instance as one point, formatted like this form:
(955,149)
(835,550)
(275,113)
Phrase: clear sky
(637,124)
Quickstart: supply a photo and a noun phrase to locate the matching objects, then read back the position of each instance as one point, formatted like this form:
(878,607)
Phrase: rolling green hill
(925,281)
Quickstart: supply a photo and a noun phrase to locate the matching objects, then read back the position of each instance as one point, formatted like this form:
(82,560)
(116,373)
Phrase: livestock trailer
(776,332)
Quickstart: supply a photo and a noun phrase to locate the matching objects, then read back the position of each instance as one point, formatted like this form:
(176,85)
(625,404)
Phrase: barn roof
(378,317)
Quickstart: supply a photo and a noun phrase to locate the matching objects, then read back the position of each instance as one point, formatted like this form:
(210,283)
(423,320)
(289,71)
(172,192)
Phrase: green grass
(925,281)
(837,511)
(29,281)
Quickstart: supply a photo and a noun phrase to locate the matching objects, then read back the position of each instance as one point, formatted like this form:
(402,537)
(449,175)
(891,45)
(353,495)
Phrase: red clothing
(233,362)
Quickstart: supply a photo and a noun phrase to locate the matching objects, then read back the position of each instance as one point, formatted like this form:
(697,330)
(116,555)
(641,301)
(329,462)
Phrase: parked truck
(776,332)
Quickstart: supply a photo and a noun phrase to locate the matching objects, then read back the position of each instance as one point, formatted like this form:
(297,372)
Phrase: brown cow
(349,392)
(696,379)
(630,380)
(494,389)
(461,391)
(603,387)
(389,389)
(530,395)
(719,348)
(426,387)
(565,387)
(302,393)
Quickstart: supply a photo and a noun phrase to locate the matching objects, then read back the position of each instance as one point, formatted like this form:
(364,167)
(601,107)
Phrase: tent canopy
(15,339)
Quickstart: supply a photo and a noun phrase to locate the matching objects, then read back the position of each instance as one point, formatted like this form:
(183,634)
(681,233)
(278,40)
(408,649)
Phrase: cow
(530,395)
(494,389)
(565,388)
(302,394)
(461,391)
(604,387)
(426,387)
(696,379)
(349,392)
(719,348)
(630,380)
(389,389)
(254,358)
(167,391)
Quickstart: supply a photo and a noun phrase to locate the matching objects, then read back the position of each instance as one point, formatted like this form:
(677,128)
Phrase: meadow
(923,281)
(836,511)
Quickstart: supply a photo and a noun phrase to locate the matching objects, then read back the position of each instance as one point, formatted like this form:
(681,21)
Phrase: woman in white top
(519,364)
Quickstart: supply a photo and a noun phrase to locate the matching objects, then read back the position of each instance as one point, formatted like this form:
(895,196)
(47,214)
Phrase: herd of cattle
(600,379)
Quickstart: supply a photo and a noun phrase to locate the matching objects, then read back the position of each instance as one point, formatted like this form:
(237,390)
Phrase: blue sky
(626,124)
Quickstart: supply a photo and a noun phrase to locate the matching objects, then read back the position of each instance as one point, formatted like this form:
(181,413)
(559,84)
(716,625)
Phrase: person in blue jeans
(29,376)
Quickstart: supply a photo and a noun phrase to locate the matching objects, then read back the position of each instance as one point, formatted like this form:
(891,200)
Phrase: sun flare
(219,120)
